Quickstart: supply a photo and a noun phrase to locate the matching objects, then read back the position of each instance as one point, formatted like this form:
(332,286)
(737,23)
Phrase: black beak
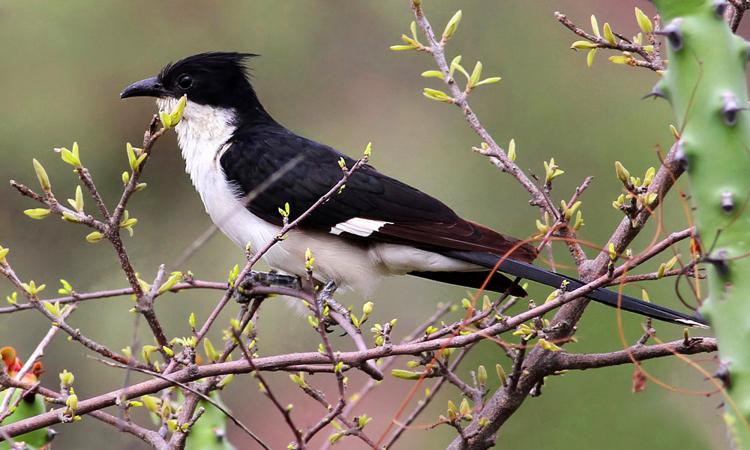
(150,87)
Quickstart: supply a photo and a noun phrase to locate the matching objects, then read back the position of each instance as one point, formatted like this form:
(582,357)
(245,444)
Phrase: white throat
(201,134)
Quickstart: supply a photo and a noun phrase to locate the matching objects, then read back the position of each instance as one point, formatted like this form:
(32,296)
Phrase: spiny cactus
(706,85)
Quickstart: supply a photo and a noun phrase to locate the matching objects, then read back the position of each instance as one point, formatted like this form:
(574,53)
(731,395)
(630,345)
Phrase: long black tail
(604,296)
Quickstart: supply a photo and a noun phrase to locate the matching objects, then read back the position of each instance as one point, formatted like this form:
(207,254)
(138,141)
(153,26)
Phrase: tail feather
(604,296)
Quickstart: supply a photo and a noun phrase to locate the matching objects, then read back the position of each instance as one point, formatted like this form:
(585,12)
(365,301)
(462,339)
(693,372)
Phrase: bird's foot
(325,299)
(254,278)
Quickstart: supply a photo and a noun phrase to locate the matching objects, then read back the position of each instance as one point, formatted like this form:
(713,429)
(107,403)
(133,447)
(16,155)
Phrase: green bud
(452,26)
(620,59)
(649,177)
(512,150)
(437,95)
(433,74)
(644,23)
(590,57)
(191,320)
(125,177)
(31,287)
(173,279)
(609,35)
(3,253)
(551,171)
(464,408)
(595,26)
(208,348)
(476,74)
(41,175)
(72,404)
(547,345)
(298,379)
(622,173)
(367,308)
(490,80)
(580,45)
(612,252)
(71,157)
(53,308)
(481,375)
(225,381)
(94,237)
(136,156)
(37,213)
(176,115)
(233,274)
(406,374)
(501,375)
(146,352)
(152,403)
(77,203)
(579,221)
(401,48)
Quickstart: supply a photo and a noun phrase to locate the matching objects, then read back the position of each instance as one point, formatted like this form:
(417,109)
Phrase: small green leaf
(595,26)
(490,80)
(452,26)
(476,74)
(512,150)
(176,115)
(437,95)
(406,374)
(71,157)
(609,35)
(41,175)
(582,45)
(644,23)
(37,213)
(590,57)
(94,237)
(433,74)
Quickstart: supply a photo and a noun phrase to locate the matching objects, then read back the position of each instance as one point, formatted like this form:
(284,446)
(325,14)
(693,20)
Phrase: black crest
(214,78)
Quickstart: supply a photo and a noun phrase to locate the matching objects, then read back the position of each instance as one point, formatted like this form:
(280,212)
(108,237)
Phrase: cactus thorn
(730,109)
(720,7)
(679,155)
(727,204)
(719,262)
(722,374)
(673,34)
(656,92)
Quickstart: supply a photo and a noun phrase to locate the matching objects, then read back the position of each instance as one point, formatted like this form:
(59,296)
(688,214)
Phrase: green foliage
(28,407)
(209,432)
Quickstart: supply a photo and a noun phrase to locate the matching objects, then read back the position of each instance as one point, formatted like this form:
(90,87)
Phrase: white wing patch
(358,226)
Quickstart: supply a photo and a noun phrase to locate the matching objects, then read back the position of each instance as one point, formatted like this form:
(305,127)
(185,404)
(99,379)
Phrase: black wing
(412,217)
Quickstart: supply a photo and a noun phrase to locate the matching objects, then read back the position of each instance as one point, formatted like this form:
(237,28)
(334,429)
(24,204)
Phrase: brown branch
(650,60)
(194,284)
(638,352)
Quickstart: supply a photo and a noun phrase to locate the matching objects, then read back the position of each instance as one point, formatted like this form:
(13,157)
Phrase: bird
(376,227)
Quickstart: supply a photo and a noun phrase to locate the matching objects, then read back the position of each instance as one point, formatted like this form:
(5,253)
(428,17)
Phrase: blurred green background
(326,72)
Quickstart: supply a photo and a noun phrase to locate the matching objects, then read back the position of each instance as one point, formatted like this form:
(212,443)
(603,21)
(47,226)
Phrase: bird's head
(215,79)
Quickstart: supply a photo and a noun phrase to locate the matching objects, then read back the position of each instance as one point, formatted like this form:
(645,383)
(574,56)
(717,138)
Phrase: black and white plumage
(377,227)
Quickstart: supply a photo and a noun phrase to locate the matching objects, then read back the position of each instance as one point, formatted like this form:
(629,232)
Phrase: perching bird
(376,227)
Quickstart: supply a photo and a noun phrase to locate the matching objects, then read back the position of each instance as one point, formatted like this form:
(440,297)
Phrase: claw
(264,279)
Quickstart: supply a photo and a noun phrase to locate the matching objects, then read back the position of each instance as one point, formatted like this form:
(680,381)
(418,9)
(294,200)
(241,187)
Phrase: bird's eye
(185,82)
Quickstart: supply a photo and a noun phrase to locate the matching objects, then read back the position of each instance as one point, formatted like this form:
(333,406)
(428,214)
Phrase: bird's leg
(325,298)
(271,278)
